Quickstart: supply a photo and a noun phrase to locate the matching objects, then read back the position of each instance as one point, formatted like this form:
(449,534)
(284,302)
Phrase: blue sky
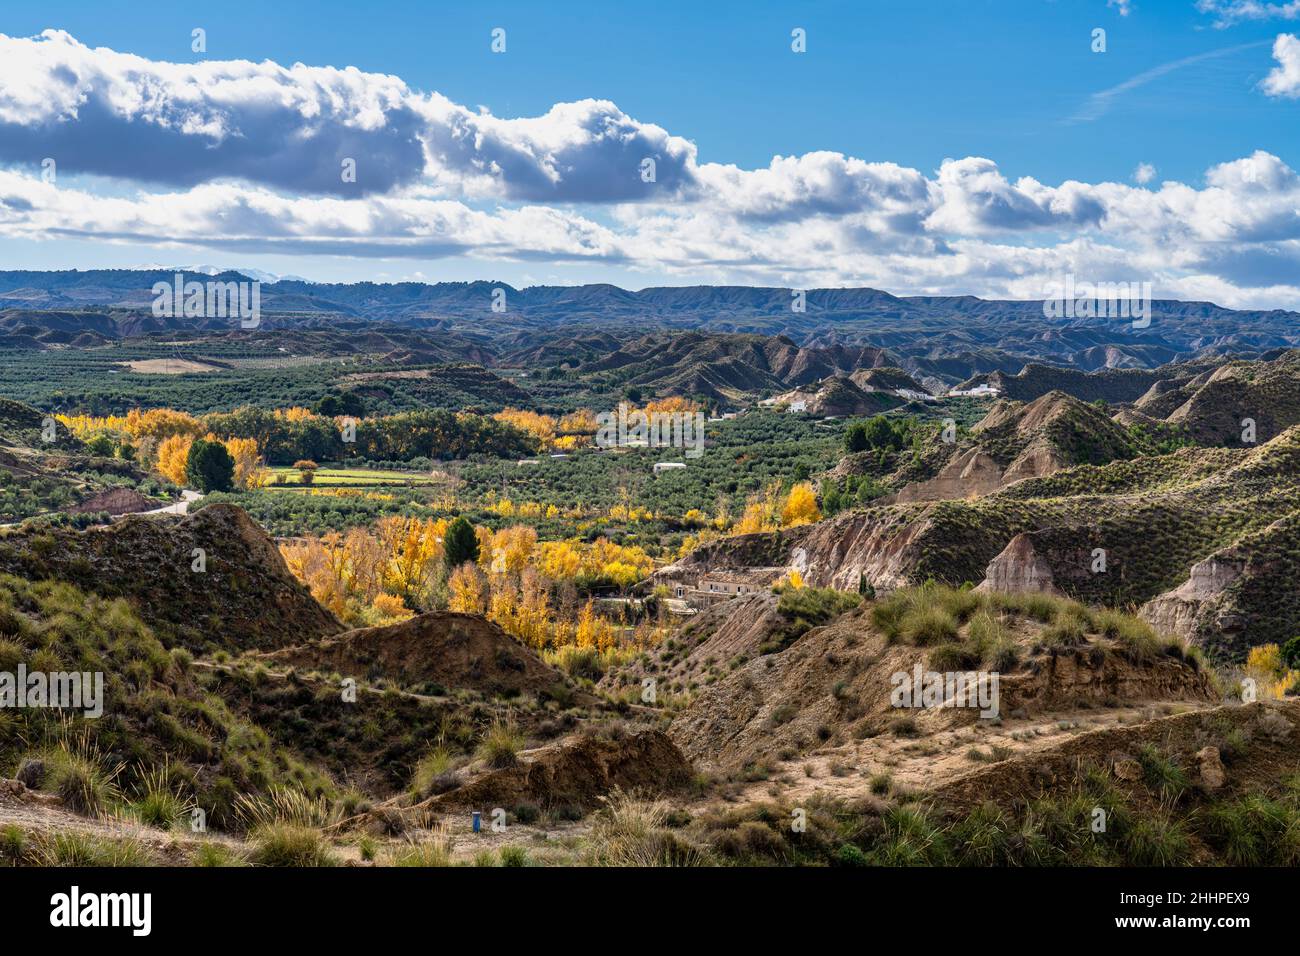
(909,83)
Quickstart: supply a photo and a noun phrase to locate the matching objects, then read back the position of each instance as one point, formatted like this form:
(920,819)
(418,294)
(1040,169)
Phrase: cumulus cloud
(104,112)
(257,219)
(245,157)
(974,197)
(818,183)
(1284,80)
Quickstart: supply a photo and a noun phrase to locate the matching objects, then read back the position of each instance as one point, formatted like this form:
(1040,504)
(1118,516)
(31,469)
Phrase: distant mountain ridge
(122,288)
(939,341)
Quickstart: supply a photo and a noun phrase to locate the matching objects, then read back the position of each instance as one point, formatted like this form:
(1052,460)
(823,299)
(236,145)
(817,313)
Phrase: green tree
(881,433)
(329,405)
(100,445)
(855,438)
(209,466)
(1291,653)
(460,545)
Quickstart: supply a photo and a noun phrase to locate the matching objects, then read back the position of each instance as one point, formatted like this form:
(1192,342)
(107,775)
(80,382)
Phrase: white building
(661,466)
(984,390)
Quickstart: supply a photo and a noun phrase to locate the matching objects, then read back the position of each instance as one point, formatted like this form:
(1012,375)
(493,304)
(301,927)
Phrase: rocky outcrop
(1061,680)
(115,501)
(1037,461)
(966,475)
(1019,569)
(1184,610)
(1211,768)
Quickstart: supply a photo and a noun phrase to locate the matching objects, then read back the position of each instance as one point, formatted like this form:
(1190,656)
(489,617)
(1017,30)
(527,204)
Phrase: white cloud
(1230,12)
(242,157)
(1123,7)
(1284,80)
(103,112)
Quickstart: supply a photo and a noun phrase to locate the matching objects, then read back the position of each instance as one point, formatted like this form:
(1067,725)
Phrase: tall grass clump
(501,744)
(291,845)
(433,851)
(77,771)
(157,802)
(632,832)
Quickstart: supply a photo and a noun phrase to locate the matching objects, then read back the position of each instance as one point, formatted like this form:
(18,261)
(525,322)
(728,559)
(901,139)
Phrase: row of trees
(284,436)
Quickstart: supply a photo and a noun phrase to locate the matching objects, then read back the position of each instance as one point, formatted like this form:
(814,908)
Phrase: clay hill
(886,379)
(439,650)
(727,367)
(574,773)
(243,598)
(1112,385)
(1014,441)
(1118,534)
(1094,709)
(1213,406)
(761,693)
(1205,398)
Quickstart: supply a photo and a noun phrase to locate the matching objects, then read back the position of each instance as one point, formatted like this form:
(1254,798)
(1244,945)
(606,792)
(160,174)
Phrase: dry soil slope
(456,651)
(244,598)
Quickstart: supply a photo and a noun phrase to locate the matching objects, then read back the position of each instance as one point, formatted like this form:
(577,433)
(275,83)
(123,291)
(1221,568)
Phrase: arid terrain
(1052,626)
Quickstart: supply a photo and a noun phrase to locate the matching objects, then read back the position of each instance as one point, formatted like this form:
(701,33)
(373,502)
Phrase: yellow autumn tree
(559,560)
(673,404)
(581,422)
(249,470)
(800,506)
(162,423)
(467,590)
(541,427)
(390,609)
(512,548)
(593,630)
(413,548)
(502,603)
(533,615)
(1265,666)
(173,453)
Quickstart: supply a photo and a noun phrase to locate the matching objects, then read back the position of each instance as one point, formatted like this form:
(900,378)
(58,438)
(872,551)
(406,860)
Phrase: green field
(349,478)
